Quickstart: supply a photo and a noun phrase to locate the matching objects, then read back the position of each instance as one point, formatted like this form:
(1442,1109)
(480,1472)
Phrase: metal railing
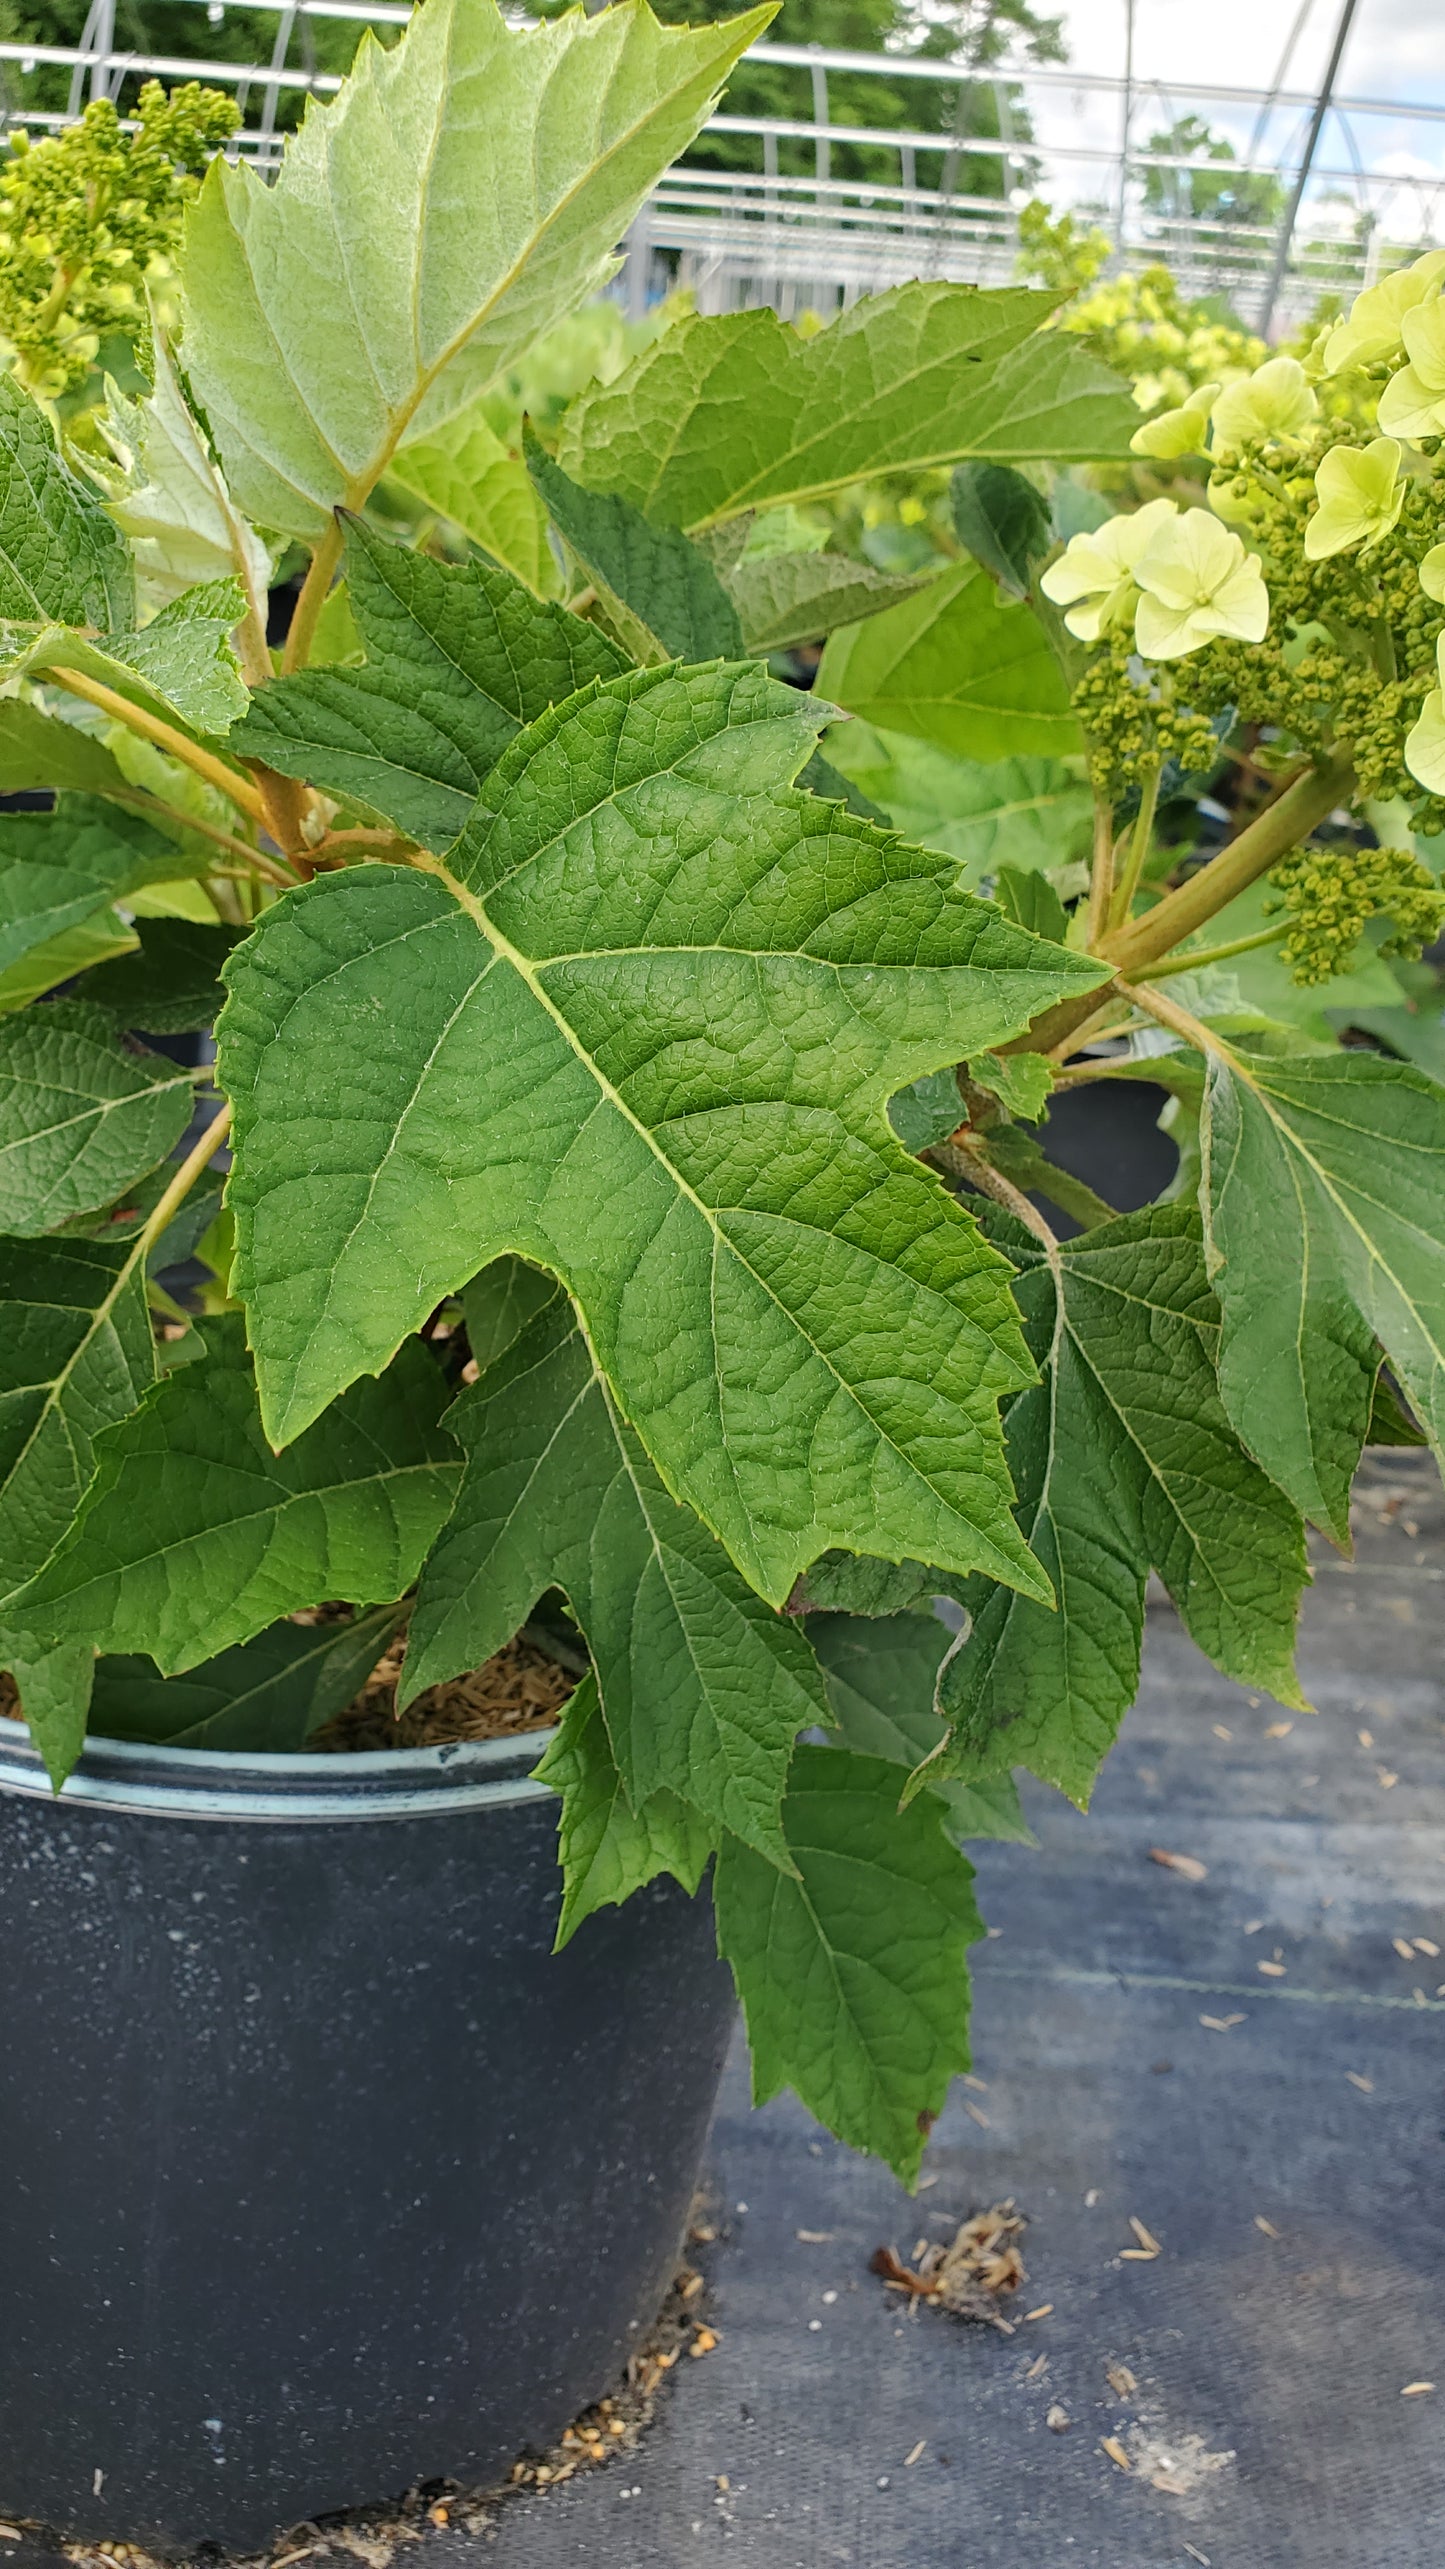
(823,234)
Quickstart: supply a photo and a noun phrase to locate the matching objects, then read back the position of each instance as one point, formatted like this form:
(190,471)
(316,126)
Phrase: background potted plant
(632,1233)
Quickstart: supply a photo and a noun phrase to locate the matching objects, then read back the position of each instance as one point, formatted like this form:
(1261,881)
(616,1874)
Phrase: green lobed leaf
(80,1117)
(184,655)
(881,1676)
(60,868)
(853,1975)
(1022,1082)
(1124,1460)
(1019,812)
(784,599)
(464,191)
(740,412)
(957,665)
(1032,900)
(75,1355)
(465,473)
(171,983)
(641,1028)
(61,560)
(193,1535)
(459,658)
(1324,1196)
(607,1849)
(498,1304)
(54,1687)
(660,592)
(266,1695)
(703,1688)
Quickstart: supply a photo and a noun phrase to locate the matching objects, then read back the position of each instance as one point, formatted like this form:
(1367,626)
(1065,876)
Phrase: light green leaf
(640,1028)
(1022,1082)
(58,869)
(1124,1460)
(881,1675)
(44,967)
(79,1117)
(61,560)
(1415,1034)
(787,598)
(265,1695)
(957,665)
(459,658)
(740,412)
(75,1354)
(170,984)
(854,1975)
(704,1689)
(607,1849)
(1032,900)
(38,753)
(1324,1194)
(465,191)
(194,1536)
(168,497)
(660,593)
(181,667)
(465,473)
(1019,812)
(54,1689)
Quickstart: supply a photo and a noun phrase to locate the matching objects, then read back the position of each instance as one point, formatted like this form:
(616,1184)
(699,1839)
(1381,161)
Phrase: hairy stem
(315,589)
(1101,877)
(1140,837)
(164,736)
(1166,1012)
(1195,960)
(957,1159)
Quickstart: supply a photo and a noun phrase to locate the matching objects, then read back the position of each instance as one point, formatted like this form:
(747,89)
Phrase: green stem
(175,744)
(1101,877)
(957,1160)
(1202,955)
(315,589)
(1143,832)
(193,1166)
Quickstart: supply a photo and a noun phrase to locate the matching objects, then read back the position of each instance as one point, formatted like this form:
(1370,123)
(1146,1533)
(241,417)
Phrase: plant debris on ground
(968,2276)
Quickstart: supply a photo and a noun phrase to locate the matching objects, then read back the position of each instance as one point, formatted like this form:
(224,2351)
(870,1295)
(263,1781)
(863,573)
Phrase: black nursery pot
(322,2175)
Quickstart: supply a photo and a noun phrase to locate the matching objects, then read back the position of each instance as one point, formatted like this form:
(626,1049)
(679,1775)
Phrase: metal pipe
(1321,110)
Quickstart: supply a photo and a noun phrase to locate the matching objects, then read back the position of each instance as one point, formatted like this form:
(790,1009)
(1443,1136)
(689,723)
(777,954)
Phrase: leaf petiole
(164,736)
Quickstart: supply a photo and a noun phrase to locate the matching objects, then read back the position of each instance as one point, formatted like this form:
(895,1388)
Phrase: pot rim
(279,1785)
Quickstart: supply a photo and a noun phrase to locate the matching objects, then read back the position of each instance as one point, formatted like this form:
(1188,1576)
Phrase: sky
(1395,51)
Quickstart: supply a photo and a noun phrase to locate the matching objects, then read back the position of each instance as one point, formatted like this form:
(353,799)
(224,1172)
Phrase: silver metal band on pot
(224,1784)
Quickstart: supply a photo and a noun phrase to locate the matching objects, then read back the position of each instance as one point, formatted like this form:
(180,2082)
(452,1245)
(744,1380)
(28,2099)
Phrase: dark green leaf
(784,599)
(194,1536)
(1031,899)
(498,1304)
(79,1117)
(854,1975)
(607,1849)
(58,869)
(1123,1460)
(928,1111)
(662,594)
(881,1677)
(641,1029)
(1390,1422)
(1003,521)
(704,1689)
(458,659)
(1324,1198)
(267,1695)
(75,1354)
(61,560)
(38,752)
(172,986)
(54,1689)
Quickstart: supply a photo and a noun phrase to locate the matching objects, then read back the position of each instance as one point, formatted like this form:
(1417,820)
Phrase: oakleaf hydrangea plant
(620,1191)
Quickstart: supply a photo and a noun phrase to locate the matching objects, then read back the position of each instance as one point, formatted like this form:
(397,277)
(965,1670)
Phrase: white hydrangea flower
(1277,400)
(1094,577)
(1413,401)
(1197,583)
(1177,432)
(1371,334)
(1432,574)
(1360,495)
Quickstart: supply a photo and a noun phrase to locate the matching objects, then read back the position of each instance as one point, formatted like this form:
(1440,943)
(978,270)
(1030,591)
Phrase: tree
(1222,194)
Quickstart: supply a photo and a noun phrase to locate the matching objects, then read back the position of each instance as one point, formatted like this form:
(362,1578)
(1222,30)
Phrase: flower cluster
(1331,893)
(86,215)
